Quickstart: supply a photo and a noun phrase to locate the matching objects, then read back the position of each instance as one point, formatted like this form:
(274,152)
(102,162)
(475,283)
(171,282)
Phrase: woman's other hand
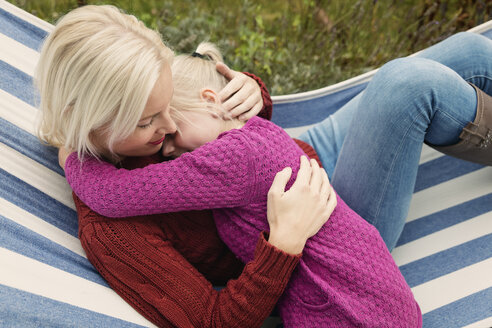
(298,214)
(241,97)
(63,155)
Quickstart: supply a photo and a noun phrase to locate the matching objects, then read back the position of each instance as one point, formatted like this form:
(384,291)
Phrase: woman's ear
(209,96)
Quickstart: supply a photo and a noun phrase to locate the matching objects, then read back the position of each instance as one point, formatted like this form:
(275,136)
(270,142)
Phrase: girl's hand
(241,96)
(298,214)
(63,155)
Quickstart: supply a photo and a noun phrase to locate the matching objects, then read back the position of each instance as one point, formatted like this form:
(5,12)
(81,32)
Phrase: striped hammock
(445,251)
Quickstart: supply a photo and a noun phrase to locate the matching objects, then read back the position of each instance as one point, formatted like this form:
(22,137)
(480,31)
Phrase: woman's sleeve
(141,265)
(219,174)
(267,110)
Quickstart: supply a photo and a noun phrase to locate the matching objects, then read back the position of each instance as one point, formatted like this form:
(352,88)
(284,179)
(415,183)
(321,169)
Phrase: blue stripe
(38,203)
(463,312)
(17,83)
(447,261)
(441,170)
(445,218)
(20,30)
(29,145)
(21,309)
(291,115)
(28,243)
(488,33)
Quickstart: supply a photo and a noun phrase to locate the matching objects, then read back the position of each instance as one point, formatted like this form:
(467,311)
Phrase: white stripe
(41,227)
(450,193)
(18,55)
(429,154)
(482,27)
(313,94)
(485,323)
(454,286)
(38,278)
(26,16)
(35,174)
(17,112)
(443,239)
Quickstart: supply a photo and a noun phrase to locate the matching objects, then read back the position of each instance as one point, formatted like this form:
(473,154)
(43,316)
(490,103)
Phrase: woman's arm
(139,260)
(140,263)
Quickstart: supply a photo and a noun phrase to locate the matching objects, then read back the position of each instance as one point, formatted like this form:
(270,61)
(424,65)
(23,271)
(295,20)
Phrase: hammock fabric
(445,251)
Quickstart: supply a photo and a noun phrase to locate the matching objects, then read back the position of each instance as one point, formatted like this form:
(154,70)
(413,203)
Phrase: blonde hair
(95,73)
(191,74)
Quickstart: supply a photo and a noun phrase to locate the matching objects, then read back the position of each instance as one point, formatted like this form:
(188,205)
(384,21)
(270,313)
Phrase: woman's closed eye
(146,125)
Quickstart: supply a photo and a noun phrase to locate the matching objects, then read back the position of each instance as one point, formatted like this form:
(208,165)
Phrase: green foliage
(296,45)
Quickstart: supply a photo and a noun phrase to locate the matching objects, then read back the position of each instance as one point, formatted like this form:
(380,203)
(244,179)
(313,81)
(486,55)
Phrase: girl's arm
(139,259)
(219,174)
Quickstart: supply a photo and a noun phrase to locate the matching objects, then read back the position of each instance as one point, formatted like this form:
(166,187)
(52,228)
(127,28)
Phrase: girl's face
(155,122)
(198,128)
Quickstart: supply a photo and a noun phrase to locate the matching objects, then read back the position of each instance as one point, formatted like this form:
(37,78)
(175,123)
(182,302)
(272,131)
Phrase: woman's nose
(168,123)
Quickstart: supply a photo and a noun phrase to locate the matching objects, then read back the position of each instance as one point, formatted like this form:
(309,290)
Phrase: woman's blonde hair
(95,73)
(192,74)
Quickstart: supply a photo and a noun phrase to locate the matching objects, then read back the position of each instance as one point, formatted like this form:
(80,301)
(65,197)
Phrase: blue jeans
(371,146)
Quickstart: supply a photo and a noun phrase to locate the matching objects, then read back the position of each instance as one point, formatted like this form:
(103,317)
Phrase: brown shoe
(476,137)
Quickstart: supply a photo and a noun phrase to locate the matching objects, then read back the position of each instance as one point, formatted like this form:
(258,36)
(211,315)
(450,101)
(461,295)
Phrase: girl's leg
(407,102)
(377,167)
(468,54)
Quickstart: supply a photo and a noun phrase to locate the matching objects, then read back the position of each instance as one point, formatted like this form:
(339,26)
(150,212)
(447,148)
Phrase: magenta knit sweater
(346,277)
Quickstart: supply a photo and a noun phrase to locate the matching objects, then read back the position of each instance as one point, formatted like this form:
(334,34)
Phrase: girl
(346,276)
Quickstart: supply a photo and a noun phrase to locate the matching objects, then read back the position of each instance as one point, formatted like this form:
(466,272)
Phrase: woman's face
(155,122)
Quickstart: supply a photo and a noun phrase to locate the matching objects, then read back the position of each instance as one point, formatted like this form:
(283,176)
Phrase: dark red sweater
(166,265)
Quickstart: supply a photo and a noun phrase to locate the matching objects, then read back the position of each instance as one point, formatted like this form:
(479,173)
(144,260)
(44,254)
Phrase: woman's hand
(63,155)
(298,214)
(241,96)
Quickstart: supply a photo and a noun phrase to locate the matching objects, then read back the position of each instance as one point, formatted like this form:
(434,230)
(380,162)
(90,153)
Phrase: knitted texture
(164,266)
(346,276)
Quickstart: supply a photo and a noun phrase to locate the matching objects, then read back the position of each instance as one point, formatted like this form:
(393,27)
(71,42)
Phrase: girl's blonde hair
(95,73)
(192,74)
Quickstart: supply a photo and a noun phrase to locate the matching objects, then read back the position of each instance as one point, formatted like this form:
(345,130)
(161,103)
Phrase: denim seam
(444,113)
(477,76)
(392,166)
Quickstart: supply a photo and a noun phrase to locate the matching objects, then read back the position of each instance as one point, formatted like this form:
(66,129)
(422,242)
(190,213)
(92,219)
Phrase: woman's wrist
(287,242)
(272,261)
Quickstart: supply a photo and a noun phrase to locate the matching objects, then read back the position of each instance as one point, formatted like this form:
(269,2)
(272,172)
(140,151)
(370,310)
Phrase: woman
(346,276)
(97,60)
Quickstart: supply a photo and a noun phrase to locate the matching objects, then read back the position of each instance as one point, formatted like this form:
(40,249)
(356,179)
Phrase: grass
(296,45)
